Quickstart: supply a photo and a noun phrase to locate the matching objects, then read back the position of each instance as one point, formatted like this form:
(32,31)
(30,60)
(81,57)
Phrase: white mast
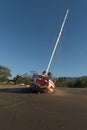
(57,41)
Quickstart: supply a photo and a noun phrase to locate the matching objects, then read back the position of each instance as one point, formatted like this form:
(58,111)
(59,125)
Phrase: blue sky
(28,32)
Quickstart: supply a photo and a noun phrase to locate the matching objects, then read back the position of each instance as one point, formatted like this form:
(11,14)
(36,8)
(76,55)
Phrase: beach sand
(66,109)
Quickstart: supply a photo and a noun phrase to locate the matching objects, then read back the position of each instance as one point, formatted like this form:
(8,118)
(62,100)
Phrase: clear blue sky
(28,32)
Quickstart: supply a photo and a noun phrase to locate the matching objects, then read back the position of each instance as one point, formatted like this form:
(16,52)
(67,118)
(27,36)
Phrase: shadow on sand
(18,90)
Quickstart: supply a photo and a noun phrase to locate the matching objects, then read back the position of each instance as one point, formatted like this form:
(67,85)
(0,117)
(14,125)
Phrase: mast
(53,52)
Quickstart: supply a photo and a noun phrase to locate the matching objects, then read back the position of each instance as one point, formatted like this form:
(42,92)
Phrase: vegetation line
(25,79)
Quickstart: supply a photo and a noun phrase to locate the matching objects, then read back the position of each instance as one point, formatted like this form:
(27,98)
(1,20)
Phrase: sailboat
(42,83)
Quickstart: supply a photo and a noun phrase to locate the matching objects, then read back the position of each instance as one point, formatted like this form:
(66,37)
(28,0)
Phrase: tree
(62,82)
(81,83)
(4,72)
(3,80)
(23,79)
(17,79)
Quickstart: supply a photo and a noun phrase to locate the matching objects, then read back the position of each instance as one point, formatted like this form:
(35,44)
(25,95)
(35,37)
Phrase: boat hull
(43,85)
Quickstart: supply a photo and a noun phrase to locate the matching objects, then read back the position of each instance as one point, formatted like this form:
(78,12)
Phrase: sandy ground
(66,109)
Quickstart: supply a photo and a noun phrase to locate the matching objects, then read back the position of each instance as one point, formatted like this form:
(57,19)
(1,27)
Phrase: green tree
(4,72)
(80,83)
(3,80)
(25,79)
(17,79)
(62,82)
(84,82)
(77,84)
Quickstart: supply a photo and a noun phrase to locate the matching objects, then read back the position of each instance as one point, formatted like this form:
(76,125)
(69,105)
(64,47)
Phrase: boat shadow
(17,90)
